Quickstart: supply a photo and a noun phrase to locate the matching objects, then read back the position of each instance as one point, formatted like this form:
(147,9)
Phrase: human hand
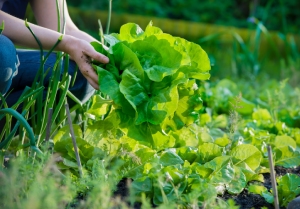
(83,53)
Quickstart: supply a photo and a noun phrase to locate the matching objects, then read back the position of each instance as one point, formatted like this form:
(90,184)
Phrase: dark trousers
(18,69)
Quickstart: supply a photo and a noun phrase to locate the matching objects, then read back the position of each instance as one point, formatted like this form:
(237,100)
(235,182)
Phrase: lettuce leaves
(152,79)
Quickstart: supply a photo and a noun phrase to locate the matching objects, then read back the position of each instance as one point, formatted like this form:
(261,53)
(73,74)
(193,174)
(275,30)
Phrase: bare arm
(77,46)
(48,19)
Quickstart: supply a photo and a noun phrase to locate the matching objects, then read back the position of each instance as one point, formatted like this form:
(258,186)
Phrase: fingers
(97,56)
(88,71)
(83,59)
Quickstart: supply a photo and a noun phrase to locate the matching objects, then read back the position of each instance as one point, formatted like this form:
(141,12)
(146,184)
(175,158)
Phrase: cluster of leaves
(154,127)
(151,81)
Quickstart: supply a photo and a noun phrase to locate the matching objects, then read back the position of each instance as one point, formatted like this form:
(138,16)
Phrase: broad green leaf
(257,189)
(157,57)
(110,86)
(156,108)
(170,157)
(126,59)
(185,137)
(261,114)
(63,144)
(224,141)
(297,136)
(269,197)
(201,170)
(207,152)
(64,133)
(176,174)
(193,55)
(102,129)
(185,114)
(142,185)
(111,39)
(220,137)
(100,106)
(288,188)
(152,30)
(248,154)
(130,32)
(245,107)
(199,189)
(287,157)
(70,164)
(187,153)
(145,154)
(204,119)
(238,182)
(131,87)
(223,170)
(159,138)
(165,191)
(147,134)
(283,141)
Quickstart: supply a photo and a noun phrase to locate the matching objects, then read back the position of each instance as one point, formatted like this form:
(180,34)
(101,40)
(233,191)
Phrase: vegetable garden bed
(183,141)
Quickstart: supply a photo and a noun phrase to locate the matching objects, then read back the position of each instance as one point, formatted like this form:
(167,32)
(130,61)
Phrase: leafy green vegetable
(152,78)
(169,131)
(288,188)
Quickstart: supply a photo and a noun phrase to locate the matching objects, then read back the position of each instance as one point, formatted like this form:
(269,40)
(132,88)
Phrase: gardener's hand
(83,53)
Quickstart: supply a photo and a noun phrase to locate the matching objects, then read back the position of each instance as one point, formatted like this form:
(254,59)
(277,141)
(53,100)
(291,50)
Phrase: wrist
(67,44)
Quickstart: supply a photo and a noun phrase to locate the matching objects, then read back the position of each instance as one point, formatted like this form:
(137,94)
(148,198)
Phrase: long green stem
(74,141)
(25,124)
(273,178)
(109,16)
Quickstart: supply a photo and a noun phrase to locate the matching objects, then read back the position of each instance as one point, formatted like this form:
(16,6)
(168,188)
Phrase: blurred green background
(276,15)
(252,39)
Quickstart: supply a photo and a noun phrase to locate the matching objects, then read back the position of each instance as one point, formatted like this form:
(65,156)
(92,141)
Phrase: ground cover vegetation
(158,134)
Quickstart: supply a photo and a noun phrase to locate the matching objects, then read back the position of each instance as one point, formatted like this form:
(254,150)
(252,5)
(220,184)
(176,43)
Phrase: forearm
(80,34)
(16,30)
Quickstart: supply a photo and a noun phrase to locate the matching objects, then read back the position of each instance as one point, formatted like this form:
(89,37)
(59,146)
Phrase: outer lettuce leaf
(157,57)
(63,144)
(287,157)
(188,153)
(193,55)
(288,188)
(248,154)
(238,182)
(125,58)
(199,189)
(169,158)
(157,108)
(110,86)
(145,133)
(207,152)
(185,137)
(223,170)
(100,106)
(284,141)
(131,32)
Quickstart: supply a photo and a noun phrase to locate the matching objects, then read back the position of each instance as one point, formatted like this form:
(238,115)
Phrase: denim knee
(8,63)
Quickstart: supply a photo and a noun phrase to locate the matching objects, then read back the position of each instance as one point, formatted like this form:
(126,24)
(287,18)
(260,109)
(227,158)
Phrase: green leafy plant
(288,188)
(151,79)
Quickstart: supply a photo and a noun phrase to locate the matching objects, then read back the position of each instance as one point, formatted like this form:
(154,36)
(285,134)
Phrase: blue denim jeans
(18,69)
